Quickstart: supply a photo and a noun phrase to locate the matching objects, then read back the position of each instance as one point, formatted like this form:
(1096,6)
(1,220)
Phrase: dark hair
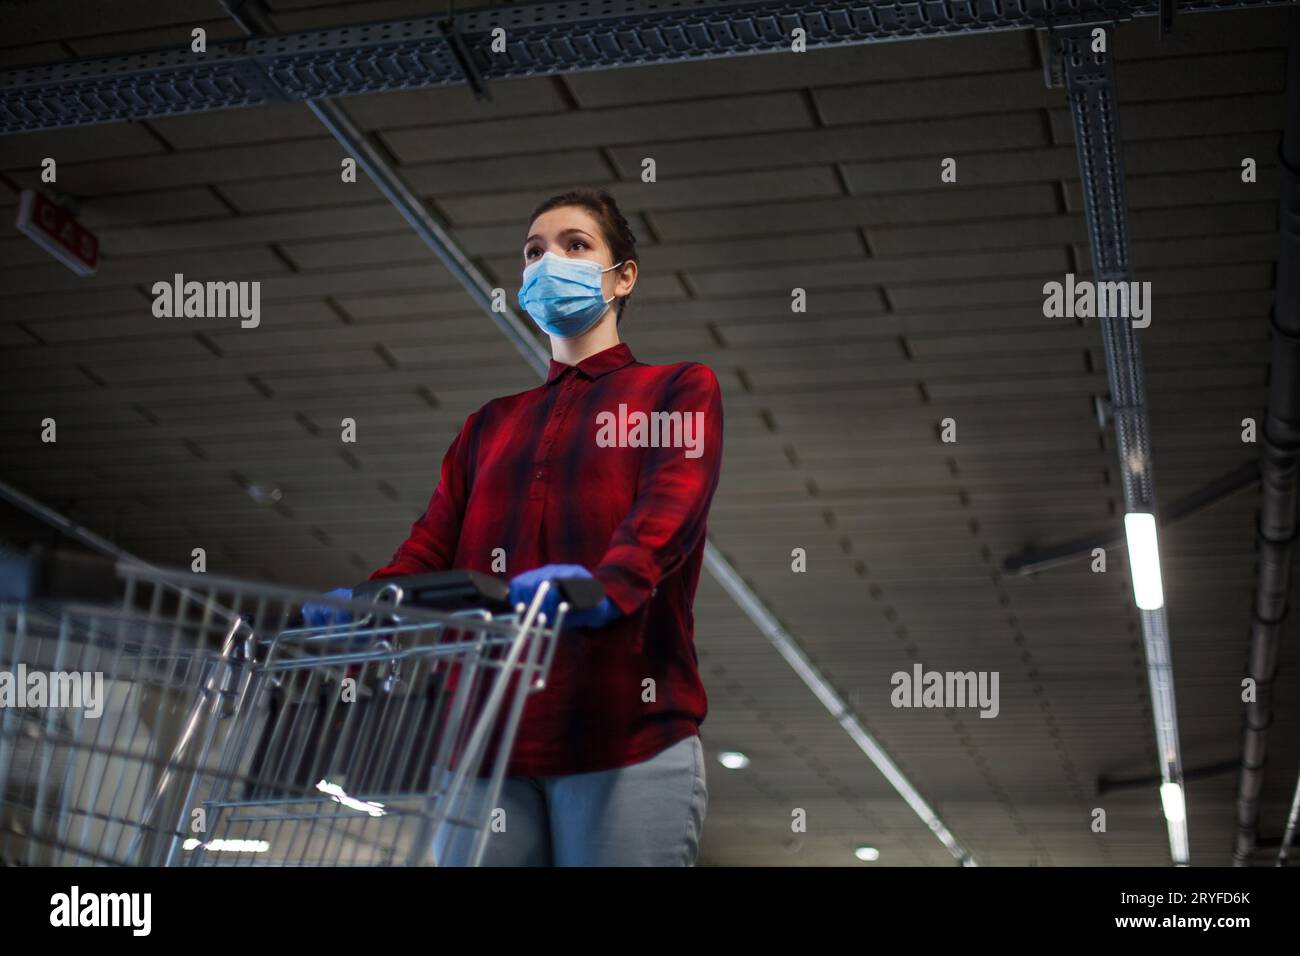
(617,233)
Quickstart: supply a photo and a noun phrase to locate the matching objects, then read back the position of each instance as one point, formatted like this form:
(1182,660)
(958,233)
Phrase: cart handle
(463,590)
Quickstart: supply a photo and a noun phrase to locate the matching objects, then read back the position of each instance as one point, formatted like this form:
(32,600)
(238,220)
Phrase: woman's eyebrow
(562,232)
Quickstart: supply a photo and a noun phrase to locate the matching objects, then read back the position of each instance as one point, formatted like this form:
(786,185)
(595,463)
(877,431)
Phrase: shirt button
(538,475)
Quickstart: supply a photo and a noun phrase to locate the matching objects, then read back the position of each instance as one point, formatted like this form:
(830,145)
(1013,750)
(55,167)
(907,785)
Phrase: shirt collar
(594,366)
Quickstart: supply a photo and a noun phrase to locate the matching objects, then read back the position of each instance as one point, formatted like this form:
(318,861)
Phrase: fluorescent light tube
(1171,795)
(229,846)
(1144,560)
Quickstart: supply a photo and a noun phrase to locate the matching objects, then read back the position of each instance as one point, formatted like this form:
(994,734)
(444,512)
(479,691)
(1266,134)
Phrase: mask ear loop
(603,271)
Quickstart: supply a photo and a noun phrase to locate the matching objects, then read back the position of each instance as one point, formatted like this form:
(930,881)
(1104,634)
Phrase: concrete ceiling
(775,171)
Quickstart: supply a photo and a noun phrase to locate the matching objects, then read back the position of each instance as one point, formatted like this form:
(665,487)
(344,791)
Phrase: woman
(607,768)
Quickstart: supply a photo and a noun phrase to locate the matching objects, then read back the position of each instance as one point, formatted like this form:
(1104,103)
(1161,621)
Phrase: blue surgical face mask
(563,295)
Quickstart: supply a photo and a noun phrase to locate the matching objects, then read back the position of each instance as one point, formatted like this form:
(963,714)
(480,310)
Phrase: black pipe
(1279,452)
(1049,556)
(1107,784)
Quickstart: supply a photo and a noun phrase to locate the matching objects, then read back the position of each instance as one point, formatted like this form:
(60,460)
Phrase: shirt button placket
(548,438)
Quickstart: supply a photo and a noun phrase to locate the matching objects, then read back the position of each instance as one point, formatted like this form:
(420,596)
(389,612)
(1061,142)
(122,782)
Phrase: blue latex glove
(320,615)
(524,586)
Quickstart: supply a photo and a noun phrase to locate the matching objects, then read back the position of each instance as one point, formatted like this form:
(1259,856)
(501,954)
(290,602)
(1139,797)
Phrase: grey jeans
(646,814)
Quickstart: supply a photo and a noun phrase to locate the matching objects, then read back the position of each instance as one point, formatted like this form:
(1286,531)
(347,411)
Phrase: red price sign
(57,232)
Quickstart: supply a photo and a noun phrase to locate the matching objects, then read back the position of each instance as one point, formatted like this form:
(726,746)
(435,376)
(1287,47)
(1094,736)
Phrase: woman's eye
(579,243)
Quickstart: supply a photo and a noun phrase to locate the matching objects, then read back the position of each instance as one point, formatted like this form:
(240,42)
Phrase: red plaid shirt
(526,474)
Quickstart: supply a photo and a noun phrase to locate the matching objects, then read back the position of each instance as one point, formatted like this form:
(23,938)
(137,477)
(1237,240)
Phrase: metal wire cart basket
(165,718)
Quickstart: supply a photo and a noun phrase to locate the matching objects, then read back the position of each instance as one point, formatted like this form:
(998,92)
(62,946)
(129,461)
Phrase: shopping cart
(154,717)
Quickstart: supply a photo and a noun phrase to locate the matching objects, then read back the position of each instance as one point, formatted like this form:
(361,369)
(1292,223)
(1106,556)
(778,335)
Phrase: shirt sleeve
(431,544)
(668,517)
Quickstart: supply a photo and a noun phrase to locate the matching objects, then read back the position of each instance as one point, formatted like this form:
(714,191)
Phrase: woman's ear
(626,278)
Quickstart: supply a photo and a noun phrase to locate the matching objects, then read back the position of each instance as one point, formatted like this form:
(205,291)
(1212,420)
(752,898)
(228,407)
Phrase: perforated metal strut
(538,40)
(1090,87)
(1089,79)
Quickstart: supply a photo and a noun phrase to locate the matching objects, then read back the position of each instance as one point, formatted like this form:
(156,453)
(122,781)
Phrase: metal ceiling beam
(1110,784)
(1089,79)
(539,40)
(835,704)
(1033,560)
(1279,464)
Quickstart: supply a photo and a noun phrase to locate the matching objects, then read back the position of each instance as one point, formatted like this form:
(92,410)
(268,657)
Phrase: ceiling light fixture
(229,846)
(1144,560)
(263,494)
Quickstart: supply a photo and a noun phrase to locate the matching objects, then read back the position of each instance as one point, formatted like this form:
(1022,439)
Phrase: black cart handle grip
(581,593)
(453,590)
